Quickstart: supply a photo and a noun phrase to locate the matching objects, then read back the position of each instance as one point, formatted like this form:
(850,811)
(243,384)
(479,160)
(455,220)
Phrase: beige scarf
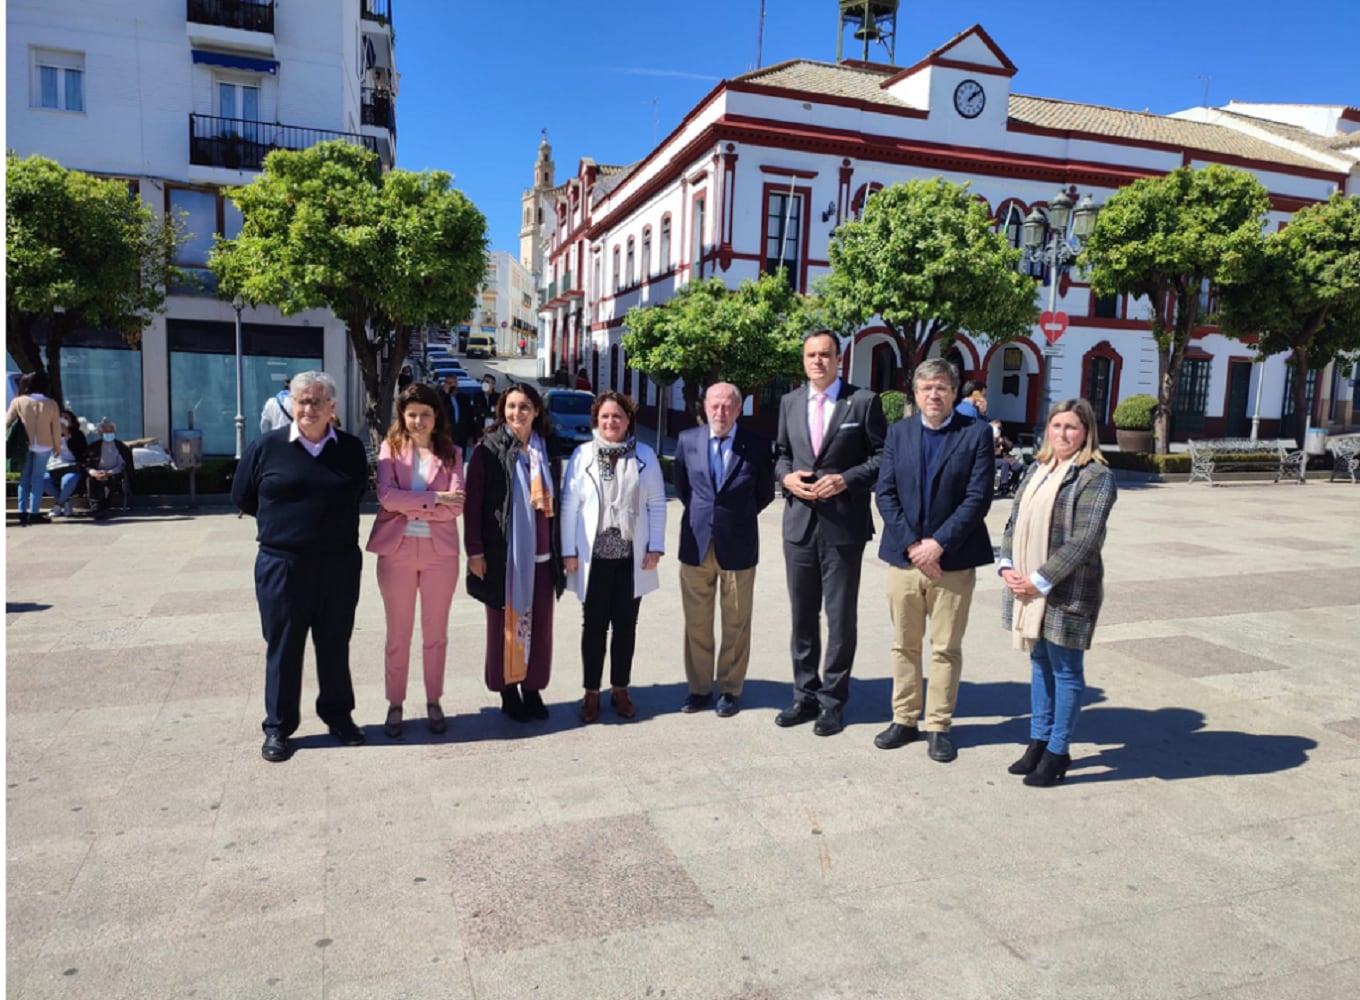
(1029,549)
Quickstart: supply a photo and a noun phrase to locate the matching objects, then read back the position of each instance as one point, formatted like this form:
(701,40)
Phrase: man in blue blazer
(724,477)
(827,454)
(934,490)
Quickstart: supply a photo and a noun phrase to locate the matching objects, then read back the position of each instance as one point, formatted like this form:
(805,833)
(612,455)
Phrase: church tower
(535,203)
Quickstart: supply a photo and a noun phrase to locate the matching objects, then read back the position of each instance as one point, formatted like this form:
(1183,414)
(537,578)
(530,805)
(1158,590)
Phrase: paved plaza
(1205,844)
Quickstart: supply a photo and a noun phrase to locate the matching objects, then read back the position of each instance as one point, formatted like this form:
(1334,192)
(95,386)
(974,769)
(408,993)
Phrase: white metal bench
(1345,452)
(1208,455)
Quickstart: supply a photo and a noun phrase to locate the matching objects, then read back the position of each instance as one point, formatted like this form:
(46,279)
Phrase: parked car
(568,419)
(481,345)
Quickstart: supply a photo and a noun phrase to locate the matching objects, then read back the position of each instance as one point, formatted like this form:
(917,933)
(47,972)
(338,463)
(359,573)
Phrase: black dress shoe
(533,704)
(939,747)
(797,713)
(829,722)
(513,705)
(276,748)
(348,733)
(896,735)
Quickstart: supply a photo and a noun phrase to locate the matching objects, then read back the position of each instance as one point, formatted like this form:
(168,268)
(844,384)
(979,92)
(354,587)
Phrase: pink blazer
(401,504)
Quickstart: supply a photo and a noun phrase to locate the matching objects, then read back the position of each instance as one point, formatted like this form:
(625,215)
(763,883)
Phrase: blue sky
(607,78)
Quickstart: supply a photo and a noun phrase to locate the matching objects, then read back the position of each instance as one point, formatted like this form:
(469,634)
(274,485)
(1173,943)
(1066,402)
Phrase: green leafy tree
(927,261)
(1299,290)
(387,253)
(79,251)
(1168,238)
(706,333)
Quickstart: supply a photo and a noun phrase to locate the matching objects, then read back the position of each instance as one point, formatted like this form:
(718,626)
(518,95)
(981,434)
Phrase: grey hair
(302,380)
(729,387)
(934,368)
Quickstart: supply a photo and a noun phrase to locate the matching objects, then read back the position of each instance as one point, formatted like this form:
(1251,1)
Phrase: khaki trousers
(912,598)
(735,591)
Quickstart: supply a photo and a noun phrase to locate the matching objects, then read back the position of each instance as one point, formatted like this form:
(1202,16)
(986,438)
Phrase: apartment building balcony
(376,10)
(245,25)
(377,107)
(241,144)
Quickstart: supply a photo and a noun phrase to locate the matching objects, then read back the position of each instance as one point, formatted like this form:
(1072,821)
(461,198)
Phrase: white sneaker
(56,511)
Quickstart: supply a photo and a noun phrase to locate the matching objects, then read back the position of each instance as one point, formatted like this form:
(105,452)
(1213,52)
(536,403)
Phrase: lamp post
(1066,229)
(238,303)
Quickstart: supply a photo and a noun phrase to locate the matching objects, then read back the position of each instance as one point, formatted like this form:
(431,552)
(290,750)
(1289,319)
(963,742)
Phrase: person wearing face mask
(65,469)
(490,397)
(108,462)
(613,535)
(512,537)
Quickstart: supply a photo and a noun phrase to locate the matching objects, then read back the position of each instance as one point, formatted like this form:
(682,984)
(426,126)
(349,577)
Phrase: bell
(869,32)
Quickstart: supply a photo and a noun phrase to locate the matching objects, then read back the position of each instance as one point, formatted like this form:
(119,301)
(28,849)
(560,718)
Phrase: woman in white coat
(613,534)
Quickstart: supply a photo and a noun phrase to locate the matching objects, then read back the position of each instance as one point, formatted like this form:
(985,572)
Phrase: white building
(767,164)
(183,98)
(509,303)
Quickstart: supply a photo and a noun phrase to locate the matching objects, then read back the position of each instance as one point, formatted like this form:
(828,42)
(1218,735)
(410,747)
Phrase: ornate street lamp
(1055,242)
(238,303)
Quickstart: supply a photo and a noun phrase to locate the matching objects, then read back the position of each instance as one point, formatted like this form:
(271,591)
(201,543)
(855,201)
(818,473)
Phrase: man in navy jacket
(724,477)
(934,490)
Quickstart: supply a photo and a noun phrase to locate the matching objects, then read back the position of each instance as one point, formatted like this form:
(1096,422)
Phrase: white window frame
(62,62)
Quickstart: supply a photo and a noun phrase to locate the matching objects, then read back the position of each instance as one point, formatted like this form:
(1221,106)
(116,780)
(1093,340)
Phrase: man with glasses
(303,485)
(934,490)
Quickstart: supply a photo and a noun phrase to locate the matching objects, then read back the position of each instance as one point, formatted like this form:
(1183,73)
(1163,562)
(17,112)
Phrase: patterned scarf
(531,494)
(618,468)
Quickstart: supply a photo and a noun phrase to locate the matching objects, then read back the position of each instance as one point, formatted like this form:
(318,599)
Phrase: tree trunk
(693,404)
(20,343)
(1299,391)
(368,370)
(1184,303)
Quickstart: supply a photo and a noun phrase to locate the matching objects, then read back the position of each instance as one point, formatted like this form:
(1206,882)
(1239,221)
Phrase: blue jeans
(1056,683)
(31,482)
(69,482)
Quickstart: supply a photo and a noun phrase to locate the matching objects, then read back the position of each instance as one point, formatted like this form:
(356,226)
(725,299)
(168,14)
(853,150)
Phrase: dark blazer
(852,446)
(487,516)
(960,498)
(722,514)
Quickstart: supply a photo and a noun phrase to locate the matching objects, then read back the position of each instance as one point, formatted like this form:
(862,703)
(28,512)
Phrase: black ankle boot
(1030,760)
(512,704)
(1051,769)
(533,705)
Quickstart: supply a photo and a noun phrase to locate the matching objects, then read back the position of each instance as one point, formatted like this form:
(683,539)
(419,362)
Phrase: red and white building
(766,166)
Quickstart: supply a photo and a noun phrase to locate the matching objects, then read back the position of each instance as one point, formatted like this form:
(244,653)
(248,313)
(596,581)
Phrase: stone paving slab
(1204,844)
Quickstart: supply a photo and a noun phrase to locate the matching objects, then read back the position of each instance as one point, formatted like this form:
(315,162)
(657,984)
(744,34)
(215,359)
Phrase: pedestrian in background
(65,468)
(41,419)
(303,485)
(1054,576)
(277,411)
(613,536)
(415,535)
(724,477)
(514,549)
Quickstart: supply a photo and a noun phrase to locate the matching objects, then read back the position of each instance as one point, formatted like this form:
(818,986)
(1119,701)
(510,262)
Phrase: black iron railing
(376,108)
(248,15)
(241,144)
(376,10)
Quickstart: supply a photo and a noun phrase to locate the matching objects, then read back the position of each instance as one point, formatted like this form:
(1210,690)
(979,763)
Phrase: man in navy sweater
(303,484)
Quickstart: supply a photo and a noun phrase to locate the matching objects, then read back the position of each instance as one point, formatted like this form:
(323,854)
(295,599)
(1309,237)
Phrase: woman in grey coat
(1051,565)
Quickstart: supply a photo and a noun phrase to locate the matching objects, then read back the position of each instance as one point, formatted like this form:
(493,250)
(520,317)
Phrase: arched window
(1012,225)
(663,260)
(629,265)
(646,261)
(616,269)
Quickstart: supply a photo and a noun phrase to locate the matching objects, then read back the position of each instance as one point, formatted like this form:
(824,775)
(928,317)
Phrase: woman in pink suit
(420,489)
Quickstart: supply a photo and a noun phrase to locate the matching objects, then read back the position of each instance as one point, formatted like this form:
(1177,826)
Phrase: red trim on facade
(937,57)
(694,198)
(972,67)
(806,194)
(1103,350)
(847,173)
(766,168)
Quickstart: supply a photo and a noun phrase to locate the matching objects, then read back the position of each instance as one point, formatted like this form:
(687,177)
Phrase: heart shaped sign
(1054,325)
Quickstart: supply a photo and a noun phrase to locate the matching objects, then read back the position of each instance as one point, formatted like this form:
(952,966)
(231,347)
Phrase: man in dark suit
(465,420)
(830,439)
(724,477)
(934,490)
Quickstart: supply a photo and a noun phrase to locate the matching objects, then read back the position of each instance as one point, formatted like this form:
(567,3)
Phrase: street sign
(1054,325)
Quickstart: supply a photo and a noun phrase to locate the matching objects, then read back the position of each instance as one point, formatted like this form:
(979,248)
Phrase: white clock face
(969,99)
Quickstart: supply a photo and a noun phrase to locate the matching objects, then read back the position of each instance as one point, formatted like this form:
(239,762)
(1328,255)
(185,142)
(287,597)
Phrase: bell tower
(873,21)
(534,202)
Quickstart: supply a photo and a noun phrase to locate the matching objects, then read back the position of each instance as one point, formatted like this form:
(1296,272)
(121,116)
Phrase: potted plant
(1133,422)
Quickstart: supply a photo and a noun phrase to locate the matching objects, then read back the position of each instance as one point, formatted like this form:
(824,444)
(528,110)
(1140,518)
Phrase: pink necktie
(818,427)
